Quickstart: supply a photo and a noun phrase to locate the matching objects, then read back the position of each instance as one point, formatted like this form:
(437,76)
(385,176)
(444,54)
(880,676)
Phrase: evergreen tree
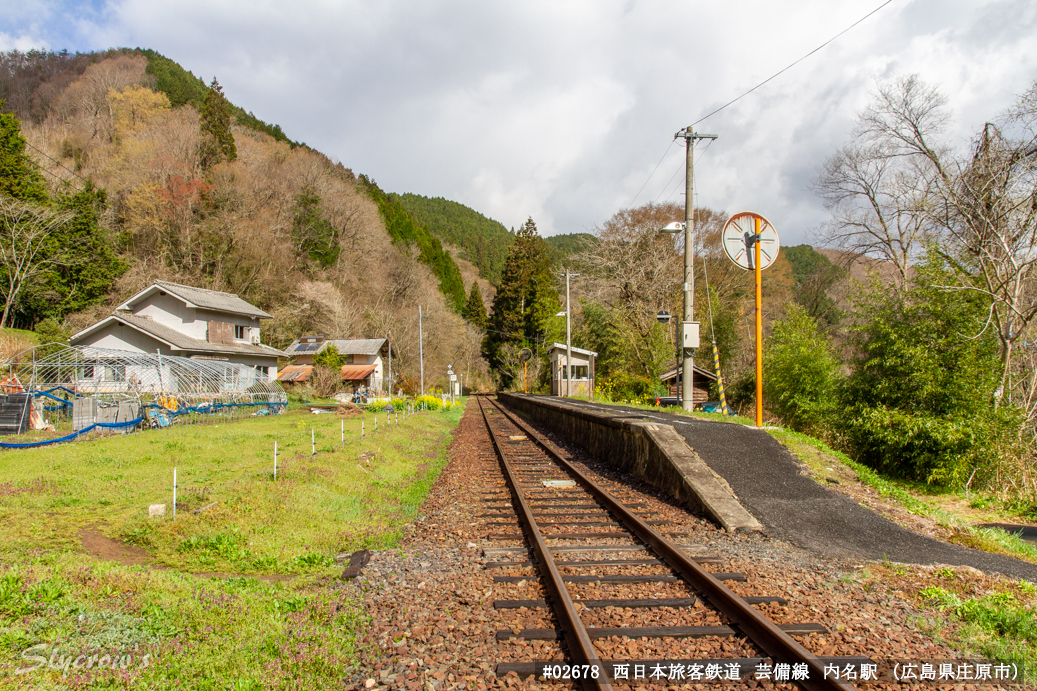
(19,176)
(525,300)
(405,231)
(217,139)
(314,234)
(474,310)
(329,357)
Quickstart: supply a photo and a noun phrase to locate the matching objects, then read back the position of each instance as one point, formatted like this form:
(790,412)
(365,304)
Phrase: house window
(349,359)
(239,332)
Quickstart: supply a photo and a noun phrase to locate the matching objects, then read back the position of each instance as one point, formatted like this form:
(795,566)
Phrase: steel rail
(760,630)
(576,637)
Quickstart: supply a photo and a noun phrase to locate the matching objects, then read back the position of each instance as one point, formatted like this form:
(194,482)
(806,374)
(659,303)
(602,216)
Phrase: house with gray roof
(365,360)
(175,319)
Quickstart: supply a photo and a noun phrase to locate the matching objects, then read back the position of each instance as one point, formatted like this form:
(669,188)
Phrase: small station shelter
(582,371)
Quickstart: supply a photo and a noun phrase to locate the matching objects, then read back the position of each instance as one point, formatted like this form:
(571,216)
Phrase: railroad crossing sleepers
(651,451)
(694,613)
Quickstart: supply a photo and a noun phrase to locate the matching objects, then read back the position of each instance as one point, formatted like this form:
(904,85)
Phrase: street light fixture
(665,317)
(690,336)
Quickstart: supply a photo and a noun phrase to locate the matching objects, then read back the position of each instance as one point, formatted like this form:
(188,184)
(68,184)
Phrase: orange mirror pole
(759,329)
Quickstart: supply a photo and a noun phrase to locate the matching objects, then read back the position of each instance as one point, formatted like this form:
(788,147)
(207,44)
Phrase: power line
(668,182)
(793,64)
(56,162)
(697,159)
(652,173)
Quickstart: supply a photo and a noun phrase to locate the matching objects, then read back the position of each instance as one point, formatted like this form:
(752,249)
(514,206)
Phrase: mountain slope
(289,230)
(564,246)
(404,228)
(483,241)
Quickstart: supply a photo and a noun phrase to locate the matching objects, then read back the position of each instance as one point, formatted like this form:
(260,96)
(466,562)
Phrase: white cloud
(561,110)
(23,42)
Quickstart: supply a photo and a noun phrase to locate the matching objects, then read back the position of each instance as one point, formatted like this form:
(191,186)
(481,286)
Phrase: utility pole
(421,353)
(690,330)
(389,341)
(568,339)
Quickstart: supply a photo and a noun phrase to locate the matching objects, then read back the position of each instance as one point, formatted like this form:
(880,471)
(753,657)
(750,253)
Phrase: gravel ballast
(433,624)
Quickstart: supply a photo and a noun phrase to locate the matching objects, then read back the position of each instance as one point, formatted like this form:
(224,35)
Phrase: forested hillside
(410,231)
(483,241)
(564,246)
(145,173)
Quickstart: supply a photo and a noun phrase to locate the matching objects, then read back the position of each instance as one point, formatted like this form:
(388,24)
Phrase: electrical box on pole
(688,356)
(690,335)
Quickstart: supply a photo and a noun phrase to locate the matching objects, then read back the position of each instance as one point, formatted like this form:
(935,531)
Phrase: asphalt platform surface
(767,480)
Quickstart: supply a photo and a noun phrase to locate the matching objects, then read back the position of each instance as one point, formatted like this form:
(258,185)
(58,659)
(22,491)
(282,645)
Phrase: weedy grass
(1000,626)
(817,455)
(237,629)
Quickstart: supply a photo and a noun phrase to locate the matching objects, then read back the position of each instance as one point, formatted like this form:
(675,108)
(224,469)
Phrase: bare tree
(636,271)
(897,185)
(991,224)
(27,247)
(880,187)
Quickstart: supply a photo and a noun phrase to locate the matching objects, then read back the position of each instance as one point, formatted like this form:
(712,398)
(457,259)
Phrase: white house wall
(267,364)
(118,336)
(251,324)
(172,312)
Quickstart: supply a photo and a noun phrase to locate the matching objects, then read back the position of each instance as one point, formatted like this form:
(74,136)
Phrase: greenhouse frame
(81,391)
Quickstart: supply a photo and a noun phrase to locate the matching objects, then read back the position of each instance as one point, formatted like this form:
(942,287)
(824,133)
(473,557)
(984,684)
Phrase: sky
(562,111)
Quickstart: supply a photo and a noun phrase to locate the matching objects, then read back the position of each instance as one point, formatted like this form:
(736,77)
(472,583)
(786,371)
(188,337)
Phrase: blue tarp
(70,437)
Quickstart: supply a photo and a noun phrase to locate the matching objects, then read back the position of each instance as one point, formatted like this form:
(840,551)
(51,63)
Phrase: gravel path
(433,624)
(769,482)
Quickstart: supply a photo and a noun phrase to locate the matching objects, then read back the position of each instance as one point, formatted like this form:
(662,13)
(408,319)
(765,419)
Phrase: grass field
(266,612)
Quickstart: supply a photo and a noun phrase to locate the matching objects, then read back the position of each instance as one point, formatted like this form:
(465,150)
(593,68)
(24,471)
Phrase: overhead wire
(698,158)
(669,182)
(661,158)
(55,161)
(740,97)
(735,100)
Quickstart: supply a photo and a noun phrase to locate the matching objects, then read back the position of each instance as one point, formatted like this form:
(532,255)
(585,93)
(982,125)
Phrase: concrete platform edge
(654,452)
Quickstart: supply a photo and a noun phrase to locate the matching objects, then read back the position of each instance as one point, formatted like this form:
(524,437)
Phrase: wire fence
(70,392)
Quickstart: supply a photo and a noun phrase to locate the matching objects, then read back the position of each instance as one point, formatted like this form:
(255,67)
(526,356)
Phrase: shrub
(917,445)
(329,357)
(428,402)
(801,373)
(325,381)
(625,386)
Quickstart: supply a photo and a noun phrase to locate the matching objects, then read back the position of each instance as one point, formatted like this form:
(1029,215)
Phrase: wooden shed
(701,381)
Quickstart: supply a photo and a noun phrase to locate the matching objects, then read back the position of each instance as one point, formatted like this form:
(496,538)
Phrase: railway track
(577,533)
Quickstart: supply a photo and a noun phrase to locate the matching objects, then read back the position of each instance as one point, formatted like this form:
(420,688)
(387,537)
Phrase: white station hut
(582,371)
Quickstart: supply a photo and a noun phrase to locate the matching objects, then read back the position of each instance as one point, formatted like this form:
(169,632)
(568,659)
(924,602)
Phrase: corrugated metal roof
(180,341)
(201,297)
(345,346)
(699,372)
(356,372)
(299,373)
(561,346)
(293,373)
